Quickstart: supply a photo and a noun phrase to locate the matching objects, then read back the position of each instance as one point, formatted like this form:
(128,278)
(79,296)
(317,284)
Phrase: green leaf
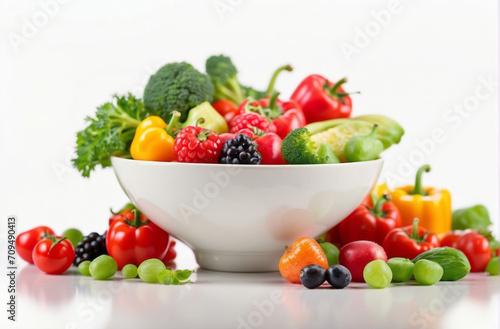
(183,275)
(476,217)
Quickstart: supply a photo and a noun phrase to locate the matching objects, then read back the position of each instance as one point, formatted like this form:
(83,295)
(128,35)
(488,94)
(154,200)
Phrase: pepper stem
(273,111)
(250,107)
(378,203)
(137,222)
(333,90)
(270,88)
(174,124)
(414,233)
(418,188)
(373,133)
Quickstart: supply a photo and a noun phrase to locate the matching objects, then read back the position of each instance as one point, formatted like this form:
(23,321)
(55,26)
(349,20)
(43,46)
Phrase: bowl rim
(221,165)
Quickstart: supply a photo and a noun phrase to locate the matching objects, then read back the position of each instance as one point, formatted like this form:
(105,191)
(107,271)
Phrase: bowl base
(238,261)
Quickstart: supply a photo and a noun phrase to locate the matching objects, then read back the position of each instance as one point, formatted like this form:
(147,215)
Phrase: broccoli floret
(256,94)
(177,87)
(298,148)
(223,74)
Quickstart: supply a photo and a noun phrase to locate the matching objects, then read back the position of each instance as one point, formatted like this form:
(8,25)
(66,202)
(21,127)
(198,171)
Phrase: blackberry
(92,246)
(240,150)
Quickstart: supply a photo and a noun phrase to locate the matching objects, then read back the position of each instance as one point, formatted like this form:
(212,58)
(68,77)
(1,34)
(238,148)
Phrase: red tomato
(269,146)
(26,241)
(357,254)
(477,249)
(226,108)
(53,257)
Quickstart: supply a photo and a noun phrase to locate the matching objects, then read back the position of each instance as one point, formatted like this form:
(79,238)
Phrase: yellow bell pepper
(432,206)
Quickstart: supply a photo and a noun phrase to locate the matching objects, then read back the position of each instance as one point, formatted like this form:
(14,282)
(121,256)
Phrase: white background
(415,66)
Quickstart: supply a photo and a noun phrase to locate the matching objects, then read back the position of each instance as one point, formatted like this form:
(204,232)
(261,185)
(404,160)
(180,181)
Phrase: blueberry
(312,276)
(338,276)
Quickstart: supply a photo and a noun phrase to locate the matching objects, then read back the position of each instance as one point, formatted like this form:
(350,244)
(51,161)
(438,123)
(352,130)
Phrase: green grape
(493,268)
(377,274)
(402,268)
(74,235)
(149,269)
(427,272)
(103,267)
(83,268)
(129,271)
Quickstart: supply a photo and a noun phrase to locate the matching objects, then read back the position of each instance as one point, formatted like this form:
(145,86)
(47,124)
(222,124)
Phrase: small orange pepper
(303,252)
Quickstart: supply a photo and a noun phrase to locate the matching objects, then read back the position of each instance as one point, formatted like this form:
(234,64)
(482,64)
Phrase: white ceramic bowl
(240,218)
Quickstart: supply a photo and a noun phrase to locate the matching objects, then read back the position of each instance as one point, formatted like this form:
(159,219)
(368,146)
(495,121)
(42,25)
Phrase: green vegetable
(129,271)
(298,148)
(253,93)
(377,274)
(149,269)
(363,147)
(83,268)
(427,272)
(103,267)
(325,151)
(73,235)
(179,277)
(454,262)
(402,268)
(223,73)
(331,253)
(177,87)
(110,133)
(211,118)
(493,267)
(389,131)
(476,217)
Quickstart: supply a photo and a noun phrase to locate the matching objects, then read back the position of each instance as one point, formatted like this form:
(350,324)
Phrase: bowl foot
(238,261)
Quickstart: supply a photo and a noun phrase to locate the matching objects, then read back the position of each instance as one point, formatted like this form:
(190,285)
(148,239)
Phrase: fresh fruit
(427,272)
(53,256)
(303,252)
(197,145)
(477,249)
(402,268)
(74,235)
(493,268)
(454,262)
(103,267)
(338,276)
(377,274)
(91,247)
(312,276)
(250,120)
(84,268)
(357,254)
(331,253)
(129,271)
(149,269)
(240,150)
(26,241)
(269,147)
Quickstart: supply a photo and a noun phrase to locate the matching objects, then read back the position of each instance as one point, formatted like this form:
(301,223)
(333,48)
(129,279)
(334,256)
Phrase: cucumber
(454,262)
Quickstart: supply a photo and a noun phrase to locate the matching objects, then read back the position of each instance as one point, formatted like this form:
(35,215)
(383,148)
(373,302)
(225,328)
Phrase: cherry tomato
(477,249)
(226,108)
(53,257)
(269,146)
(450,239)
(26,241)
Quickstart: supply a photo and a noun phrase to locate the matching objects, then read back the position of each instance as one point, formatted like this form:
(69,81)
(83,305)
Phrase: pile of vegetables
(312,127)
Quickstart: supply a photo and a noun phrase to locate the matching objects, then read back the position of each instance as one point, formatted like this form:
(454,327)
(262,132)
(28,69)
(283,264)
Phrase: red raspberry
(197,144)
(250,120)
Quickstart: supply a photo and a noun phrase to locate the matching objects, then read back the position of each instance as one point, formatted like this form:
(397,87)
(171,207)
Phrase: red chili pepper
(134,241)
(321,99)
(409,241)
(372,220)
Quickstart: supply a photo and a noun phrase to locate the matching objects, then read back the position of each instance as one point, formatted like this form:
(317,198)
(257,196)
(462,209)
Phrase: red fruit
(250,120)
(357,254)
(197,144)
(477,249)
(53,257)
(26,241)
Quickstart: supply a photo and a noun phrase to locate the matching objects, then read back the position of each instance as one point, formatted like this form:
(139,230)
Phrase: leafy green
(177,87)
(476,217)
(298,148)
(110,132)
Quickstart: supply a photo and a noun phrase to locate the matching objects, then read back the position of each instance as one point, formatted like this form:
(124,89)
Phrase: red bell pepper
(284,116)
(372,220)
(134,241)
(321,99)
(409,241)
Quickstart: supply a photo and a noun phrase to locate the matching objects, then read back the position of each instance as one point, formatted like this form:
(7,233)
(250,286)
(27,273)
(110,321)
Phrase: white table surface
(248,300)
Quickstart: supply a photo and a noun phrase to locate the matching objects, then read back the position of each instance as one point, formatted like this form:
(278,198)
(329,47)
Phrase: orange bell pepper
(431,205)
(153,139)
